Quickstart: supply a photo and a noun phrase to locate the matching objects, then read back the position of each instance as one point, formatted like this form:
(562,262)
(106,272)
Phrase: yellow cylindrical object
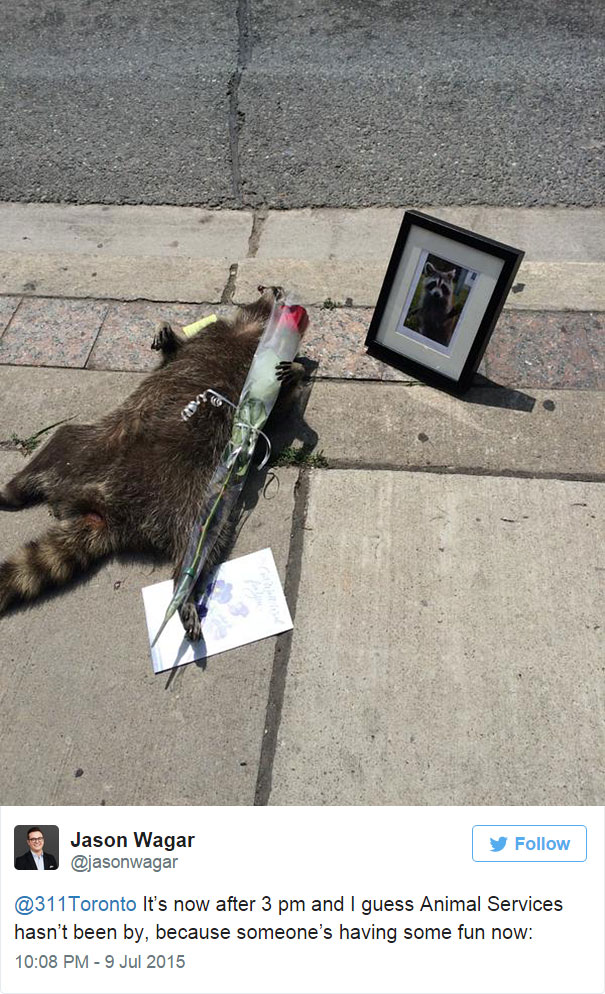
(190,330)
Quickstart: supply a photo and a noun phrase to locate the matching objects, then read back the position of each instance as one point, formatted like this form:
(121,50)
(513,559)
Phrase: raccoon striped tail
(53,559)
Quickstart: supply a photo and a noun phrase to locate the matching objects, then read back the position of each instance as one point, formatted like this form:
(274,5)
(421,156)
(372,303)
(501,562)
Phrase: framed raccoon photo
(442,294)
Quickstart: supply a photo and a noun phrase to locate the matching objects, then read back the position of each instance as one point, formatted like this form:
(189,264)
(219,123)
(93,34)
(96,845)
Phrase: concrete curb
(195,255)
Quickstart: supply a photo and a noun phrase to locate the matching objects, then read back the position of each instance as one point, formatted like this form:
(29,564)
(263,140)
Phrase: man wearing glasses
(36,858)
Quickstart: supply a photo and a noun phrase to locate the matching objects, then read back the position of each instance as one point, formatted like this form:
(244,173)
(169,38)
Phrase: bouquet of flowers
(278,345)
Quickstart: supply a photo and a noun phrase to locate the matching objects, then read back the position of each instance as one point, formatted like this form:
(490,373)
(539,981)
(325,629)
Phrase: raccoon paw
(191,622)
(165,339)
(290,372)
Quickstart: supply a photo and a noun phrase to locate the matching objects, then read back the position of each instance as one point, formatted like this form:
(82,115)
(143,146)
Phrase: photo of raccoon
(438,299)
(135,480)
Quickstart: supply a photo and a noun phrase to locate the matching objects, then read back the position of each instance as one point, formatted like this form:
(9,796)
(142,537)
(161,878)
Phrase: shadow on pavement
(490,394)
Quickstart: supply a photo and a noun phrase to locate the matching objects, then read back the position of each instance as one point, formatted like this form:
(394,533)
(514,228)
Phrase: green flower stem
(202,539)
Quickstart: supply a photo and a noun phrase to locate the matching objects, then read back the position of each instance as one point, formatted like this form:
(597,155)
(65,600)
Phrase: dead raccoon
(436,312)
(135,480)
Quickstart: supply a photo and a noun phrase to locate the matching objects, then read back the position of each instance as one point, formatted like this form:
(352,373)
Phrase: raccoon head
(437,283)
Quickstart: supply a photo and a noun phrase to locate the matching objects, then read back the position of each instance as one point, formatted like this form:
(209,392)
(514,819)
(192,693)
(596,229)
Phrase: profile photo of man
(36,858)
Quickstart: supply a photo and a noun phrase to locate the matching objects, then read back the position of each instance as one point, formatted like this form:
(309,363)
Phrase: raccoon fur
(436,312)
(135,480)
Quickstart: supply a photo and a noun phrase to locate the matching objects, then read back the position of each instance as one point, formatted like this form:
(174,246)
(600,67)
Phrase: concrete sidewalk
(445,575)
(447,645)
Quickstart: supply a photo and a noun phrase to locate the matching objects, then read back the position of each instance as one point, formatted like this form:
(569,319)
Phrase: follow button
(529,843)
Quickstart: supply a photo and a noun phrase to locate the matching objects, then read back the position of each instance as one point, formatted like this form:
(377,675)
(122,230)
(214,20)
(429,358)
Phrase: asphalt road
(260,103)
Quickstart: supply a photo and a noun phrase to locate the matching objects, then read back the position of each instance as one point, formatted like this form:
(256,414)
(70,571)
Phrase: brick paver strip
(52,332)
(595,334)
(335,339)
(543,350)
(124,342)
(528,349)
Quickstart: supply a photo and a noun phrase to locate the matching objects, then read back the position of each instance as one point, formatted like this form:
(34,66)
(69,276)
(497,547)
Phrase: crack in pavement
(235,115)
(283,645)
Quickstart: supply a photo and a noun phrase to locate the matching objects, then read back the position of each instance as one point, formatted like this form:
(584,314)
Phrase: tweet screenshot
(485,899)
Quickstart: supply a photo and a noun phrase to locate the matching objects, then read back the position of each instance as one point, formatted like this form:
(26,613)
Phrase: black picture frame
(441,297)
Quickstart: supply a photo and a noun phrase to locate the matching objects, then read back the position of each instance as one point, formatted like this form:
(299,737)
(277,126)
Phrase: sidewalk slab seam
(9,305)
(283,644)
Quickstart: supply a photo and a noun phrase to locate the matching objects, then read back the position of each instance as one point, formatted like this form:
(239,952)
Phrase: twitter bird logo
(498,844)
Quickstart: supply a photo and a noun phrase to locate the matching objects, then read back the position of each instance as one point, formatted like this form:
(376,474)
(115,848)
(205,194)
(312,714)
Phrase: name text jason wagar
(142,840)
